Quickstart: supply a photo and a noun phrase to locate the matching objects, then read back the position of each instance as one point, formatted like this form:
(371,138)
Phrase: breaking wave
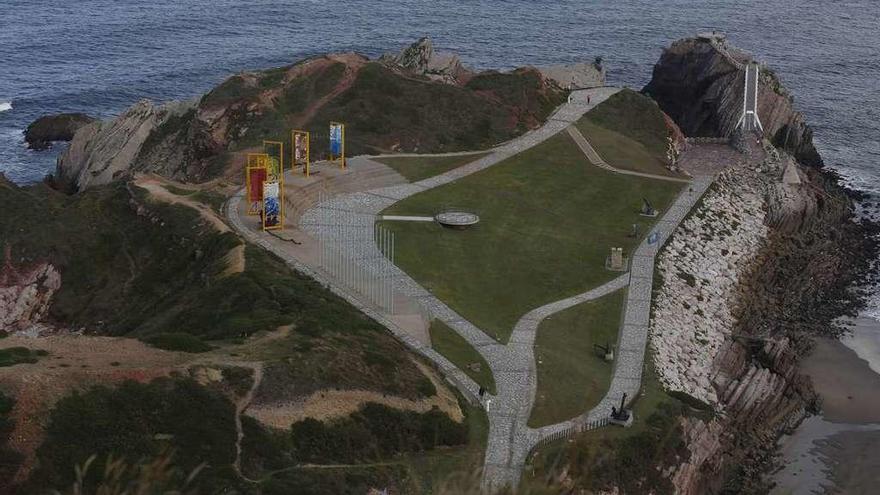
(5,105)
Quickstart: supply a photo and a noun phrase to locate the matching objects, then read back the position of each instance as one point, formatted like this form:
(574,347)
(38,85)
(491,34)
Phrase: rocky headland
(699,82)
(415,101)
(765,265)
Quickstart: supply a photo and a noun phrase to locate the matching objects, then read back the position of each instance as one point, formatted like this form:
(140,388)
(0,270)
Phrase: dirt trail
(156,187)
(240,407)
(353,66)
(235,259)
(328,404)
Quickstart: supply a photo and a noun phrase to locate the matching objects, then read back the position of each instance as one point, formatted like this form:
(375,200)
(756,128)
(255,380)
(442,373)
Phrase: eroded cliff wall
(699,82)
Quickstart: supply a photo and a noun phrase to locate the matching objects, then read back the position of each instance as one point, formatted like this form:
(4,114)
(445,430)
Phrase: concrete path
(633,336)
(513,365)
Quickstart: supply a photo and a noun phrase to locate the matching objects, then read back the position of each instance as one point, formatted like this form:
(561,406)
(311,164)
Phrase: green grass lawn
(456,349)
(416,168)
(572,376)
(548,221)
(628,130)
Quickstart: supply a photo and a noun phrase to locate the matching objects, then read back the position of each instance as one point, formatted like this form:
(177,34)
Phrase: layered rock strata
(699,82)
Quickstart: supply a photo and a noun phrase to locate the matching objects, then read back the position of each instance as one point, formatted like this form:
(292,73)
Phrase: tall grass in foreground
(157,476)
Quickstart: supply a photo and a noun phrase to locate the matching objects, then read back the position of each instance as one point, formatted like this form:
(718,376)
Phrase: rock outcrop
(41,133)
(421,59)
(102,151)
(25,293)
(762,265)
(699,82)
(417,101)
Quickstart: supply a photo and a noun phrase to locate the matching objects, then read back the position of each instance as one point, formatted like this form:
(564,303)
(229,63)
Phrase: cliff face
(421,59)
(733,313)
(699,82)
(25,293)
(103,151)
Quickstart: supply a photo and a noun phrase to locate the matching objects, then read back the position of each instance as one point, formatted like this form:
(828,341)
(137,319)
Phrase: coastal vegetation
(548,220)
(136,422)
(9,458)
(10,356)
(384,109)
(631,459)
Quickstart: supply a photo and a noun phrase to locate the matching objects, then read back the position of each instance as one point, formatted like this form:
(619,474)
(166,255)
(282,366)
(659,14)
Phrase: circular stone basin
(457,219)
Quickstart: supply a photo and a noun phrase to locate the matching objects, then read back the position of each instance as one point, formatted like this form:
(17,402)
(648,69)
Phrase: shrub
(17,355)
(182,342)
(9,458)
(138,421)
(374,432)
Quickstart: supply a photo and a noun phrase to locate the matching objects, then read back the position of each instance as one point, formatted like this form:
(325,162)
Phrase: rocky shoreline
(771,260)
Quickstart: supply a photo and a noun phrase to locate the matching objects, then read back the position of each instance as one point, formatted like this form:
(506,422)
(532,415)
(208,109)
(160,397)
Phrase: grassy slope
(382,110)
(623,457)
(456,349)
(159,273)
(416,168)
(274,457)
(572,377)
(629,132)
(442,471)
(548,220)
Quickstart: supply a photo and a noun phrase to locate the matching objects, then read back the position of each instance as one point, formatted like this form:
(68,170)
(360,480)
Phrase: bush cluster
(374,432)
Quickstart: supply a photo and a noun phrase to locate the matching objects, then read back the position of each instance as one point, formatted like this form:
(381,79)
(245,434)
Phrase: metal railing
(357,255)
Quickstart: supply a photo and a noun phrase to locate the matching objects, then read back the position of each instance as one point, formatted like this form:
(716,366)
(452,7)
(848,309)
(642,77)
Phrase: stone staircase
(361,174)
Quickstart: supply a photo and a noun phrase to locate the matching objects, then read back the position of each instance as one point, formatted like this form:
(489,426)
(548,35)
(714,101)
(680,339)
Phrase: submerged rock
(40,134)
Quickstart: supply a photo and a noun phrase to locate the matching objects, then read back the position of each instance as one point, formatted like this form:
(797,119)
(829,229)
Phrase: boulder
(421,59)
(40,134)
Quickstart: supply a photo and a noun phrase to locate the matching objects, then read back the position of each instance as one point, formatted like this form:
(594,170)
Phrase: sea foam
(5,105)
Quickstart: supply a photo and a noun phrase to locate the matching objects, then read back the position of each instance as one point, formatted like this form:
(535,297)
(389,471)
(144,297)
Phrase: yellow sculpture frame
(293,134)
(280,145)
(254,161)
(341,157)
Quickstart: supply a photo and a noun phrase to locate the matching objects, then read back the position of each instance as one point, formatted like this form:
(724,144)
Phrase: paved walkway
(512,365)
(633,336)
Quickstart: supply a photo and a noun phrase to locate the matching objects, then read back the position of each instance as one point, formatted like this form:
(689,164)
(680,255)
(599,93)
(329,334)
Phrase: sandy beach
(836,452)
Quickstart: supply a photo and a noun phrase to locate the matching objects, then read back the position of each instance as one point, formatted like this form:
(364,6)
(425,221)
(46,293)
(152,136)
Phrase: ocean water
(100,56)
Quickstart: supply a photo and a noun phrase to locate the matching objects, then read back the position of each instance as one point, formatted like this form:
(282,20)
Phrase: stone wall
(714,342)
(700,267)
